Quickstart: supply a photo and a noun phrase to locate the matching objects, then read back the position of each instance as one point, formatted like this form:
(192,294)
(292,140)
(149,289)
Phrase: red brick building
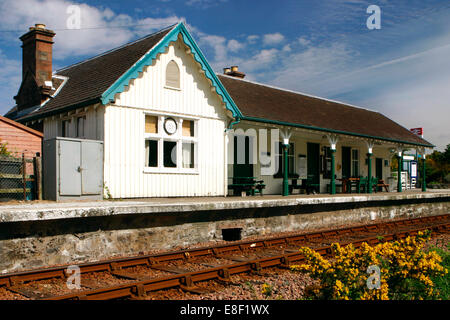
(19,138)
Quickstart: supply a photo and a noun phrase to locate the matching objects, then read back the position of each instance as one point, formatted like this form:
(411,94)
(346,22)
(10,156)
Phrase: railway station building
(169,126)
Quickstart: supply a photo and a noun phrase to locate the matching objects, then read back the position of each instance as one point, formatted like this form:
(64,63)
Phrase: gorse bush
(406,271)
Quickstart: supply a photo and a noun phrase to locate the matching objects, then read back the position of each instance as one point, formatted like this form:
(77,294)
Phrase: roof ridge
(115,49)
(297,92)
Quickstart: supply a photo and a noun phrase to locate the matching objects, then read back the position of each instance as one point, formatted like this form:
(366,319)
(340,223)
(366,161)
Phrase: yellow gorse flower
(345,276)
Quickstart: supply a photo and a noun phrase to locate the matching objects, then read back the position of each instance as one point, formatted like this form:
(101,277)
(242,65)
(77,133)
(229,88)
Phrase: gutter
(276,122)
(230,126)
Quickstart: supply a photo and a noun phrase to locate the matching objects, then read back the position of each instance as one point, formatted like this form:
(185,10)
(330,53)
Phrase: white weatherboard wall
(93,127)
(124,131)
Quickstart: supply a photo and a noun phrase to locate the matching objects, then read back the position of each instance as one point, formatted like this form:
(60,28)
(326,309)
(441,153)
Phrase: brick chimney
(234,72)
(36,67)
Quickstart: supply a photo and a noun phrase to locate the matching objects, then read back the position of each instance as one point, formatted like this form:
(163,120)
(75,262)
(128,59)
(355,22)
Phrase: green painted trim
(424,182)
(234,123)
(399,173)
(147,59)
(333,180)
(276,122)
(369,173)
(286,169)
(58,111)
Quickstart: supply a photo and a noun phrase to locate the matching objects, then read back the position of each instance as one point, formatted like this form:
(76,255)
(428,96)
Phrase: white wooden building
(165,117)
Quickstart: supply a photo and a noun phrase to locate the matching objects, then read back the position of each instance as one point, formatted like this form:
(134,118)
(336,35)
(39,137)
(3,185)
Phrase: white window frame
(67,128)
(179,74)
(177,137)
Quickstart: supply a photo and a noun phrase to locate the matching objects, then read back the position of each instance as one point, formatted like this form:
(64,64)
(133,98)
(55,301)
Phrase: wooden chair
(362,184)
(383,185)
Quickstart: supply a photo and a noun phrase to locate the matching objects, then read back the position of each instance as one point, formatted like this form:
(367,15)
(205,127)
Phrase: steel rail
(187,280)
(11,279)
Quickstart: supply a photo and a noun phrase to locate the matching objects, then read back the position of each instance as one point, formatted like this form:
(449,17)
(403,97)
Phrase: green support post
(369,172)
(286,169)
(424,183)
(399,172)
(333,181)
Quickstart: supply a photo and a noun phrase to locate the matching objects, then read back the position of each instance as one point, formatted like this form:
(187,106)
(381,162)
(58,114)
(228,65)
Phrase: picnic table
(348,183)
(248,185)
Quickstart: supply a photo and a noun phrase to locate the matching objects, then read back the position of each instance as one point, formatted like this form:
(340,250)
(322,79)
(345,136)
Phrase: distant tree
(438,165)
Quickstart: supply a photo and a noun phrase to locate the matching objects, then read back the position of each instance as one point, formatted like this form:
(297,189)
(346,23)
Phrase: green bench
(249,185)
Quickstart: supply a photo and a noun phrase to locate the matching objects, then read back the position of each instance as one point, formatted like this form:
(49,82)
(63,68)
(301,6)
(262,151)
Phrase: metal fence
(20,178)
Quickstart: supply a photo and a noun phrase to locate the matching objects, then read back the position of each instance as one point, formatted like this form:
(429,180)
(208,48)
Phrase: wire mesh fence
(19,178)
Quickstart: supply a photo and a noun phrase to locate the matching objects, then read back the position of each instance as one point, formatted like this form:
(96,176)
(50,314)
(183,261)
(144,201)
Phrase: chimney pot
(234,72)
(39,26)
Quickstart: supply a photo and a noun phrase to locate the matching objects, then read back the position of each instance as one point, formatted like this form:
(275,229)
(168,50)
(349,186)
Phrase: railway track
(133,277)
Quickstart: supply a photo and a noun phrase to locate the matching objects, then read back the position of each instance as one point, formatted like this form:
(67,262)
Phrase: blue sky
(322,48)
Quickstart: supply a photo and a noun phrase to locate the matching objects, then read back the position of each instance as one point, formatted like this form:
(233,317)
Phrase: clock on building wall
(170,125)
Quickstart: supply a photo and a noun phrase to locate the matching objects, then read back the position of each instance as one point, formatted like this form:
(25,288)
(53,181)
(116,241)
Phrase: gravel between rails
(284,284)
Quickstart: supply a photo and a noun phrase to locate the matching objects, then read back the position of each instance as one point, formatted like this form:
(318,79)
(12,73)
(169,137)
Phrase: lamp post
(333,180)
(424,184)
(286,169)
(369,171)
(333,140)
(399,171)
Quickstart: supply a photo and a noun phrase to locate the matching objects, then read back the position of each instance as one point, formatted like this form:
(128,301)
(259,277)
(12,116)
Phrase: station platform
(41,234)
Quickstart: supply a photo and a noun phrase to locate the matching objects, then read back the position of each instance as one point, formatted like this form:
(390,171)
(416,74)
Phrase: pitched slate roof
(88,80)
(258,102)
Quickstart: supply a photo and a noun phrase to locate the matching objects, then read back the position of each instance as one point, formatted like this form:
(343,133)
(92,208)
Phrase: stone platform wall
(39,243)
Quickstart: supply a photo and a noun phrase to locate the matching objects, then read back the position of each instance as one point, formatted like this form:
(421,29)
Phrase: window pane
(151,153)
(151,124)
(188,155)
(170,154)
(80,126)
(291,159)
(291,165)
(65,128)
(188,128)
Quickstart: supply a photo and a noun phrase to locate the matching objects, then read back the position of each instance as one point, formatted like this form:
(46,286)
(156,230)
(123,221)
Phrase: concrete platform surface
(47,210)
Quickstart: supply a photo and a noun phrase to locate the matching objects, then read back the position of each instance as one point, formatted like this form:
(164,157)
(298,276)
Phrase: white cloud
(99,27)
(217,43)
(305,70)
(204,4)
(234,45)
(287,48)
(273,39)
(303,41)
(252,38)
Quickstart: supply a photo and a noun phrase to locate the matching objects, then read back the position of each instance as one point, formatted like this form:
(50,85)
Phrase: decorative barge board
(45,234)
